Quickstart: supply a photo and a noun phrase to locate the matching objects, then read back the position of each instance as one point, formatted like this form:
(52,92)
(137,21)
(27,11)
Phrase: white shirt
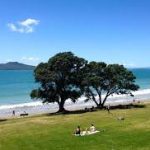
(92,129)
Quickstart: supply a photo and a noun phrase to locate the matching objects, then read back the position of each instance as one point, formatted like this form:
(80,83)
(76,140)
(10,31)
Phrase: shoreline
(35,108)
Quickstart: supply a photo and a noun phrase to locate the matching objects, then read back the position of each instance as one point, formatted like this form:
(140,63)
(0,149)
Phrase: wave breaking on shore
(38,107)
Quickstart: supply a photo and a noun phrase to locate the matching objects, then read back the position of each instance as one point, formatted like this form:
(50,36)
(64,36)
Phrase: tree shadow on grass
(68,112)
(128,106)
(2,120)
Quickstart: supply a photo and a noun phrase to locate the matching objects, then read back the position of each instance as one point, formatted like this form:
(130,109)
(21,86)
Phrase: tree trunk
(100,106)
(93,98)
(61,107)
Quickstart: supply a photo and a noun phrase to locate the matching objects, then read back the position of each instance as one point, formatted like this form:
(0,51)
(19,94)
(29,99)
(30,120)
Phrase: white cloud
(26,60)
(9,60)
(12,27)
(129,65)
(25,26)
(30,59)
(29,22)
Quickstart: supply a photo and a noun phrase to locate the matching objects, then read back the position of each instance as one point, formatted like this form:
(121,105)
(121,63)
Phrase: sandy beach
(34,108)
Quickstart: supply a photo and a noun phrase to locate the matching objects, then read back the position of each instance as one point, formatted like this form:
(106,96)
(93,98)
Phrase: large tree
(60,79)
(102,79)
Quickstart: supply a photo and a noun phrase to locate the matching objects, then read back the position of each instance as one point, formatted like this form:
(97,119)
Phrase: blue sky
(114,31)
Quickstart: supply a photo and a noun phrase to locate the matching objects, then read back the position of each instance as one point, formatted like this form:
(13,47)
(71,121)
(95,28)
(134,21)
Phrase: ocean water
(142,77)
(16,85)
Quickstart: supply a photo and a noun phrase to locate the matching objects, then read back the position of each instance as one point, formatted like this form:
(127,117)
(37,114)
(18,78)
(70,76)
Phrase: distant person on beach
(13,113)
(78,131)
(108,108)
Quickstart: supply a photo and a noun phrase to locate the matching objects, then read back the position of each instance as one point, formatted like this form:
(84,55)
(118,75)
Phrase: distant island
(15,66)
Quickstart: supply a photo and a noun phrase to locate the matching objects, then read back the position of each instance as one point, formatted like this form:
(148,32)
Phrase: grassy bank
(55,132)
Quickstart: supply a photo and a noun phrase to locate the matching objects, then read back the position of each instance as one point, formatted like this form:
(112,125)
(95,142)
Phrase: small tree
(101,79)
(60,79)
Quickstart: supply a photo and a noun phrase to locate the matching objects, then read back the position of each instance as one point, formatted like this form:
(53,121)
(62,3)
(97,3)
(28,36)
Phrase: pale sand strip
(39,108)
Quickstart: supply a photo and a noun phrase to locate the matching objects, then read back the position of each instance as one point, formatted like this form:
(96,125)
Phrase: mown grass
(55,132)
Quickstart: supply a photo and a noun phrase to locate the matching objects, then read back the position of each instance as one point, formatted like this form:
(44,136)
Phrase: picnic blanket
(84,133)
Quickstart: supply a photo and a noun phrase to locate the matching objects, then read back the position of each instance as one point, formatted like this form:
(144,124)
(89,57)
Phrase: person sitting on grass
(78,131)
(92,128)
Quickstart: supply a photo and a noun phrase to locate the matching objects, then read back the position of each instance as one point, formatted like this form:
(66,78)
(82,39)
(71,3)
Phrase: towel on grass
(84,133)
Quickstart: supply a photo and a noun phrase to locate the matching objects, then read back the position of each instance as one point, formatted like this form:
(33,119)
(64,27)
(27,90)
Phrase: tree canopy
(102,79)
(60,79)
(67,77)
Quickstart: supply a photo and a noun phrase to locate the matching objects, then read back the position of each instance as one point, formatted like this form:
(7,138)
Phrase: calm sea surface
(15,86)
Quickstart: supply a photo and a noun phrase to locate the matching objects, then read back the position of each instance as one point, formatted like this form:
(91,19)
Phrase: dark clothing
(13,112)
(78,131)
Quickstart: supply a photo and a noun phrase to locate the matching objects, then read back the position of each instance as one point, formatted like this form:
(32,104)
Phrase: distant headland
(15,66)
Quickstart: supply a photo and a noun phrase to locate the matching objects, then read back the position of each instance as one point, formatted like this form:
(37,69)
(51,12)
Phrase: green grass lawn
(55,132)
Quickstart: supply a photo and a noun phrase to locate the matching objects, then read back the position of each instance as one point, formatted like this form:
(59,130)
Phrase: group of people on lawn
(87,131)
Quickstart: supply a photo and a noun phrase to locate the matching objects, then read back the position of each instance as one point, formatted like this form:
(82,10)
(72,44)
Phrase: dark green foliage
(60,79)
(66,76)
(107,80)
